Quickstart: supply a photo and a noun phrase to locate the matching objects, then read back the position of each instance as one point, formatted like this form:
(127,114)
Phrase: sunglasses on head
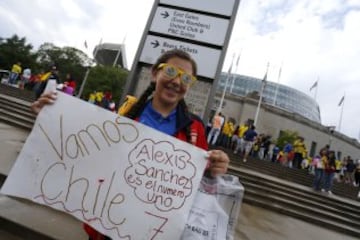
(173,72)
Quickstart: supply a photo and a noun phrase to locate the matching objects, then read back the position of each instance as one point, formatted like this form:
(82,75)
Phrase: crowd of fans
(24,79)
(243,139)
(102,99)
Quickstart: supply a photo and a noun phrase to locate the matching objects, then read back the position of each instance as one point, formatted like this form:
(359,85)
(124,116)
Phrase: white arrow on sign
(223,7)
(189,25)
(207,59)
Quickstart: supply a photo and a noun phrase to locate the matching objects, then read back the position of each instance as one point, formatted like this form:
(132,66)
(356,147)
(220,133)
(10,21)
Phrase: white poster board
(126,180)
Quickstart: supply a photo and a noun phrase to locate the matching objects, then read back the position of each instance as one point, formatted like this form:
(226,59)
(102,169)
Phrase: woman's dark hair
(139,106)
(164,58)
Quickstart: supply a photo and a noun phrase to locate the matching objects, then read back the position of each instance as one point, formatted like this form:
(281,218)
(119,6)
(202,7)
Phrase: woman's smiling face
(169,91)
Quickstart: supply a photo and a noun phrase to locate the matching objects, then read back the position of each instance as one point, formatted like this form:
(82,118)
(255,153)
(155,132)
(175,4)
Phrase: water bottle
(50,86)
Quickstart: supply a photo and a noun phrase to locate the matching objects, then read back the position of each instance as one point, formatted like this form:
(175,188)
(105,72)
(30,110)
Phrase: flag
(123,42)
(265,78)
(231,65)
(237,63)
(279,75)
(314,85)
(85,44)
(341,101)
(266,73)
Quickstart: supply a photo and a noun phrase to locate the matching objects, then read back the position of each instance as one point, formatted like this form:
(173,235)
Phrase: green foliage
(286,136)
(67,59)
(15,49)
(106,78)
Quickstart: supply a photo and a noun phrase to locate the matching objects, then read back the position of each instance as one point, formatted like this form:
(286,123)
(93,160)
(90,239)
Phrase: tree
(66,59)
(286,136)
(16,49)
(106,78)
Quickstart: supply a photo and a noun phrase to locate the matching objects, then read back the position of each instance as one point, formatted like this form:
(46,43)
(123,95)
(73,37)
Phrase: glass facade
(278,95)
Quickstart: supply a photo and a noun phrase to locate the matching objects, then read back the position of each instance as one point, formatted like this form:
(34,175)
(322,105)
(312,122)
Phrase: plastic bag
(216,208)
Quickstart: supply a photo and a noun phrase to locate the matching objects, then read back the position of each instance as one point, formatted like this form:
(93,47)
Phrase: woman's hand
(44,99)
(219,162)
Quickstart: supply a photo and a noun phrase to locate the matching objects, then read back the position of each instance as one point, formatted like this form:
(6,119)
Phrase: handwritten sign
(126,180)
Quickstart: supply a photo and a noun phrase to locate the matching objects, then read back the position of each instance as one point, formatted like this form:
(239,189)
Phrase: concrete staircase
(15,107)
(25,95)
(267,185)
(299,176)
(300,202)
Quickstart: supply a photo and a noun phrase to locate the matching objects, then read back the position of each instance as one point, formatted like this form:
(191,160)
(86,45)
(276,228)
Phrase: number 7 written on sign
(159,229)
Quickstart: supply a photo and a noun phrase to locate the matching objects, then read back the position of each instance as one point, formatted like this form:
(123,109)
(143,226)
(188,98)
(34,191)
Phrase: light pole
(263,83)
(331,131)
(88,70)
(226,83)
(84,81)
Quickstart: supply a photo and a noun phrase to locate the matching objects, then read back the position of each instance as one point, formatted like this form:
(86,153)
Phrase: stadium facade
(275,94)
(283,108)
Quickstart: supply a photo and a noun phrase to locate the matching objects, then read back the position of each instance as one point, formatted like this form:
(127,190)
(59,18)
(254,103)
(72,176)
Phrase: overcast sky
(309,39)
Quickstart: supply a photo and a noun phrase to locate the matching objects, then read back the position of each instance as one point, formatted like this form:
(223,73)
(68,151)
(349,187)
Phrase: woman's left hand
(219,162)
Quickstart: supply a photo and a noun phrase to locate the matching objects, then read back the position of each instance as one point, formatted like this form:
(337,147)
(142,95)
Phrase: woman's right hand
(44,99)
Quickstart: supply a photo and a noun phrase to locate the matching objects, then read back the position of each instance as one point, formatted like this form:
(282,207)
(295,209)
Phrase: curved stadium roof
(278,95)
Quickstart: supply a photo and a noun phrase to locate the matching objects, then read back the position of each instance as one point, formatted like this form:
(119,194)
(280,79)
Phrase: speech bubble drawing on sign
(160,174)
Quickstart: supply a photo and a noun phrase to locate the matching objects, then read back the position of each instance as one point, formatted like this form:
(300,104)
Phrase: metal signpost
(200,27)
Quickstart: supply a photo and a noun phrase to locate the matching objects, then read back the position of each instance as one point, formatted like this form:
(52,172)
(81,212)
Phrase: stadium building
(283,108)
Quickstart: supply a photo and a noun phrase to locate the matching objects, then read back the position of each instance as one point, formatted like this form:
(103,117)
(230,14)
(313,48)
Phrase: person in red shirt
(69,85)
(329,173)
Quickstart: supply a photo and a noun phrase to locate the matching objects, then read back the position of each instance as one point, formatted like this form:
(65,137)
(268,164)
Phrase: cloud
(310,39)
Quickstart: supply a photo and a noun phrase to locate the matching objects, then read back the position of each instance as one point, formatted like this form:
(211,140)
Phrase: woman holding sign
(162,107)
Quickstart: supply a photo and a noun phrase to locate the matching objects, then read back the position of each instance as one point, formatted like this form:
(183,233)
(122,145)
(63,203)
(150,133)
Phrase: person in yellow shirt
(92,97)
(98,98)
(338,165)
(226,135)
(15,72)
(299,150)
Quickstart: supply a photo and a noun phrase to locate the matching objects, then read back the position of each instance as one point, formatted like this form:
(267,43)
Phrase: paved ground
(258,224)
(254,223)
(11,142)
(6,236)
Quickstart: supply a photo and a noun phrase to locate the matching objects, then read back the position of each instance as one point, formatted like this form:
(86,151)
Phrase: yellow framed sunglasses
(173,72)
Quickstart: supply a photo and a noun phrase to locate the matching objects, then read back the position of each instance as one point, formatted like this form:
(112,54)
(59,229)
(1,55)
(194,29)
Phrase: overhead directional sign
(190,25)
(223,7)
(200,27)
(206,58)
